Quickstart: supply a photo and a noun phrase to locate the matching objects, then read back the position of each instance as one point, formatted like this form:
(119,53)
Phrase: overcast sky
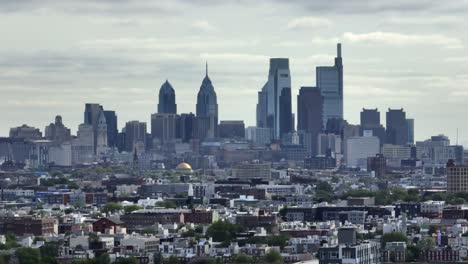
(57,55)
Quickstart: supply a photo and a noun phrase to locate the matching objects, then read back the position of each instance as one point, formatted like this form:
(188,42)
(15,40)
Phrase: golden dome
(184,166)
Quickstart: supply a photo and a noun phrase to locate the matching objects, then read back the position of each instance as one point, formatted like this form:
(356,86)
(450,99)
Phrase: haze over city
(58,55)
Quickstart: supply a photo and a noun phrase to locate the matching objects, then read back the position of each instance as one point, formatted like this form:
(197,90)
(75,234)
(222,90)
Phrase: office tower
(83,145)
(163,127)
(94,115)
(260,136)
(395,154)
(167,99)
(135,135)
(185,127)
(457,177)
(328,145)
(231,129)
(207,108)
(329,79)
(397,127)
(274,100)
(57,131)
(112,129)
(370,121)
(309,114)
(410,125)
(335,126)
(25,132)
(101,135)
(378,165)
(201,128)
(436,151)
(358,149)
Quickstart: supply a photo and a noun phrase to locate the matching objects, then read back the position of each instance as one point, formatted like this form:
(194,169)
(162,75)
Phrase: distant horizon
(118,54)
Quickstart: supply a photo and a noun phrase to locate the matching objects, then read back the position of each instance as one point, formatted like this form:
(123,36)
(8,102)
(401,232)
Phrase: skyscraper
(410,124)
(167,99)
(57,131)
(397,127)
(309,114)
(329,79)
(163,127)
(94,116)
(207,106)
(135,134)
(274,100)
(370,120)
(232,129)
(112,130)
(185,127)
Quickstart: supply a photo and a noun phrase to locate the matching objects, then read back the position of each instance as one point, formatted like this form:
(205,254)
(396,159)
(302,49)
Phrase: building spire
(206,68)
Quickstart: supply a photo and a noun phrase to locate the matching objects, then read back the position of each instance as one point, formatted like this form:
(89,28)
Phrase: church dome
(184,167)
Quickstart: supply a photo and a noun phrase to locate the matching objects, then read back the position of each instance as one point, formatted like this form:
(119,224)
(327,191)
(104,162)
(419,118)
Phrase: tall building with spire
(94,116)
(274,100)
(207,107)
(329,79)
(167,99)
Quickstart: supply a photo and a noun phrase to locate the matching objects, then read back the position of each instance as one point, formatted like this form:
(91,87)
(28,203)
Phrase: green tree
(130,260)
(10,241)
(222,231)
(426,244)
(172,260)
(103,259)
(166,204)
(272,257)
(393,237)
(131,208)
(243,259)
(112,207)
(412,253)
(49,252)
(283,211)
(28,256)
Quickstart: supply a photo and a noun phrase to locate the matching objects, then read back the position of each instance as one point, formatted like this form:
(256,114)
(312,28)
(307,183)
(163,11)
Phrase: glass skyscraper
(329,79)
(274,100)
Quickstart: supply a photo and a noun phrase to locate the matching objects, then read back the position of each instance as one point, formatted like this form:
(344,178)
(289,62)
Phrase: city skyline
(125,73)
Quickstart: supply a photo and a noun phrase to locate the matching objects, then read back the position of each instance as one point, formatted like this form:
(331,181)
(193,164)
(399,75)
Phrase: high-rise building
(163,127)
(274,100)
(135,133)
(101,135)
(457,177)
(94,115)
(207,107)
(185,127)
(57,131)
(328,145)
(83,145)
(358,149)
(377,164)
(410,125)
(436,151)
(112,129)
(232,129)
(309,114)
(167,99)
(370,121)
(25,132)
(329,79)
(397,127)
(260,136)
